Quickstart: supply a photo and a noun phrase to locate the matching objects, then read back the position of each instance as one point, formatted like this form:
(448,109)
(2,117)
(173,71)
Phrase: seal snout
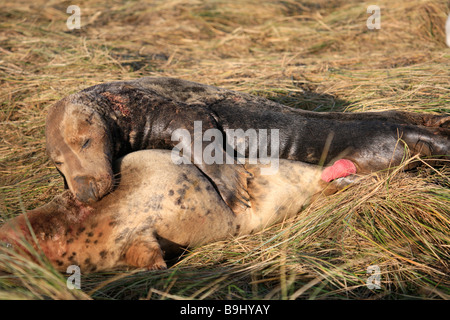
(87,190)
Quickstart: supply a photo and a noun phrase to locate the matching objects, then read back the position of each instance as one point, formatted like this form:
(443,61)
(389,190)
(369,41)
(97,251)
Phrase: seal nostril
(86,189)
(93,189)
(81,180)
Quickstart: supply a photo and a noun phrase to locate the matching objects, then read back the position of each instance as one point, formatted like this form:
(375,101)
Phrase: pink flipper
(339,169)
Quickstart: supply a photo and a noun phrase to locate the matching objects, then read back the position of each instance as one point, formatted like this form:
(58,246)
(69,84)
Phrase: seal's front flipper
(145,253)
(231,182)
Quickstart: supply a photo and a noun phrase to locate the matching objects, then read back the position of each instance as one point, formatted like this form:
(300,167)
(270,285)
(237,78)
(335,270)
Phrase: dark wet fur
(152,108)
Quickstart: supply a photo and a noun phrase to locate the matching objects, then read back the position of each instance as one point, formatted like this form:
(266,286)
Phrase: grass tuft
(314,55)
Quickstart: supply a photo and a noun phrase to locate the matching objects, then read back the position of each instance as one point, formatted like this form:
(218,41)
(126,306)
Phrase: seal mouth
(87,198)
(93,190)
(105,185)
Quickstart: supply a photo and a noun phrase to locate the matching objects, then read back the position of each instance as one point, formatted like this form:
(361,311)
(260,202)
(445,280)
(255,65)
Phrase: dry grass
(315,55)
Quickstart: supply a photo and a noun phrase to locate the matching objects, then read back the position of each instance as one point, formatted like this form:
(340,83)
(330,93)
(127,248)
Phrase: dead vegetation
(316,55)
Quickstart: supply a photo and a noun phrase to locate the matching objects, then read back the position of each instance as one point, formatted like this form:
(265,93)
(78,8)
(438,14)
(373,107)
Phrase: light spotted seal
(86,131)
(157,209)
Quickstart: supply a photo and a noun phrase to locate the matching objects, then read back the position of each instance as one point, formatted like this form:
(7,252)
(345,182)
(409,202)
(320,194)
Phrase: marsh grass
(315,55)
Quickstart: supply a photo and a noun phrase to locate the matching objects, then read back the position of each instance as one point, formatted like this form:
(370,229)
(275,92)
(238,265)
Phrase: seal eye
(86,144)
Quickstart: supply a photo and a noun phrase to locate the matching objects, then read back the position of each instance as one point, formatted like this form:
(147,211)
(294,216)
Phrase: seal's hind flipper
(329,188)
(443,122)
(433,120)
(145,253)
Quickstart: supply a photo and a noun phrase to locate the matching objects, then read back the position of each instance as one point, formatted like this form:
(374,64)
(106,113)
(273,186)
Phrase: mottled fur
(157,209)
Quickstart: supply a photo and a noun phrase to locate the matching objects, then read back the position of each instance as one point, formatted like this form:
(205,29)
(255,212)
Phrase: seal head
(80,146)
